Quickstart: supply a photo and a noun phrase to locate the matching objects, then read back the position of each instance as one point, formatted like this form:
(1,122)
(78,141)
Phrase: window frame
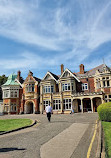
(84,85)
(56,104)
(67,102)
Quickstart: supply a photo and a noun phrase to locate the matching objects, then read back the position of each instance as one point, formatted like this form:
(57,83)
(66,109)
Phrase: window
(6,108)
(6,94)
(98,84)
(84,86)
(66,87)
(11,94)
(48,89)
(106,82)
(72,86)
(56,105)
(67,104)
(46,103)
(107,98)
(30,88)
(13,107)
(14,94)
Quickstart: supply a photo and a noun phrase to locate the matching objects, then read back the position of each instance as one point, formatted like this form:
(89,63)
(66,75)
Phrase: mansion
(83,91)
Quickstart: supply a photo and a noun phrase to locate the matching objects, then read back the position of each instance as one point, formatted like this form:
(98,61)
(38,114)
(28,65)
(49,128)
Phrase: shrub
(104,111)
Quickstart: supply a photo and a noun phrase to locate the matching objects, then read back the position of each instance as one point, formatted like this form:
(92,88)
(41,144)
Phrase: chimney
(62,68)
(81,69)
(18,75)
(30,73)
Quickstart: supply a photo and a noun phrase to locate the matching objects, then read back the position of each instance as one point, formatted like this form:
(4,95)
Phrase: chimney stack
(30,73)
(18,75)
(81,69)
(62,68)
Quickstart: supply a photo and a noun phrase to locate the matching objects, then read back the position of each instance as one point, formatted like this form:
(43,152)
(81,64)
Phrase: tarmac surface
(66,136)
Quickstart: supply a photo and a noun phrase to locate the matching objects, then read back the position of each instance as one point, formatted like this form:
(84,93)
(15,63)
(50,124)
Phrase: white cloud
(74,29)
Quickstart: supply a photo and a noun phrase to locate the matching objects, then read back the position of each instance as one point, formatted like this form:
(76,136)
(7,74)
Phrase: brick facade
(82,91)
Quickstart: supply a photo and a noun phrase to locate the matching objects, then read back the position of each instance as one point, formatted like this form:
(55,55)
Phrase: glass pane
(108,83)
(54,106)
(69,106)
(68,87)
(104,83)
(46,102)
(66,106)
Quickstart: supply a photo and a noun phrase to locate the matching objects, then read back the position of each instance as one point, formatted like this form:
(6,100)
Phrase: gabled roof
(37,79)
(11,80)
(70,74)
(92,72)
(53,76)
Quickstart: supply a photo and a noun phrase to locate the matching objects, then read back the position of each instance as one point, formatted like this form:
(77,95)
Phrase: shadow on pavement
(10,149)
(2,131)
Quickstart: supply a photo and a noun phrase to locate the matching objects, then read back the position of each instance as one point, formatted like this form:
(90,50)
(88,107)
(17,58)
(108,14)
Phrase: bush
(104,111)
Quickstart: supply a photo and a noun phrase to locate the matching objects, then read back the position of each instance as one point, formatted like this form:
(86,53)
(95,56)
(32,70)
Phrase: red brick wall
(90,82)
(107,90)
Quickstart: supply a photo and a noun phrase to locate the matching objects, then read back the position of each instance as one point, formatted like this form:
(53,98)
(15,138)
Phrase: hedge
(104,111)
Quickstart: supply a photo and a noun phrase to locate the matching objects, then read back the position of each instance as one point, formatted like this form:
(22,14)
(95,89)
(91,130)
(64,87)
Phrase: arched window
(30,88)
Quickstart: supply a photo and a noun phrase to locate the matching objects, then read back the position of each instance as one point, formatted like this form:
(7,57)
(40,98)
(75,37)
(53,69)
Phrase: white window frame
(67,102)
(14,94)
(6,108)
(30,87)
(65,87)
(46,103)
(84,86)
(106,80)
(56,104)
(6,94)
(12,108)
(48,89)
(107,98)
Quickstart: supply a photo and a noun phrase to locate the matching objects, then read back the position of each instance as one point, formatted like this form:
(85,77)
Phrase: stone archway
(76,105)
(96,102)
(87,105)
(29,107)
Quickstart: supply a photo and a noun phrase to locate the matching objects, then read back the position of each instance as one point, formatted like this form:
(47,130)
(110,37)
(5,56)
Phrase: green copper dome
(11,80)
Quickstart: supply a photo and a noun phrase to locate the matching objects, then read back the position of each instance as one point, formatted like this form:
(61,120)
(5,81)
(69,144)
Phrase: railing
(86,94)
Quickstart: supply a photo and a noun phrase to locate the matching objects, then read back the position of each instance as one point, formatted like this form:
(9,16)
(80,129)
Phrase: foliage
(107,135)
(104,111)
(3,79)
(10,124)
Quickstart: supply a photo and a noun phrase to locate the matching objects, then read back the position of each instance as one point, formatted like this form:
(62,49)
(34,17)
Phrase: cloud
(70,31)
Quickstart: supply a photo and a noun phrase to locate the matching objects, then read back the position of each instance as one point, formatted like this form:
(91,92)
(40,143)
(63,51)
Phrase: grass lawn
(10,124)
(107,133)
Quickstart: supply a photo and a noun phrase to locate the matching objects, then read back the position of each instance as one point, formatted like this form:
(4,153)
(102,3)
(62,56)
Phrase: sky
(40,35)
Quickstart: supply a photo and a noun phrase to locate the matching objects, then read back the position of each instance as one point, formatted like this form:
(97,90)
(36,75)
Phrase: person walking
(48,112)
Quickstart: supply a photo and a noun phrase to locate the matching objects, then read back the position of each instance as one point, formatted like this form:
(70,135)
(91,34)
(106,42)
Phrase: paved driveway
(66,136)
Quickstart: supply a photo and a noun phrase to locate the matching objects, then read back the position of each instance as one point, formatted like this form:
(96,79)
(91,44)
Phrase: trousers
(49,116)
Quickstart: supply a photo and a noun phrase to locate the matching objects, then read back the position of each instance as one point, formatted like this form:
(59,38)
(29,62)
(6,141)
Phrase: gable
(47,77)
(30,79)
(67,73)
